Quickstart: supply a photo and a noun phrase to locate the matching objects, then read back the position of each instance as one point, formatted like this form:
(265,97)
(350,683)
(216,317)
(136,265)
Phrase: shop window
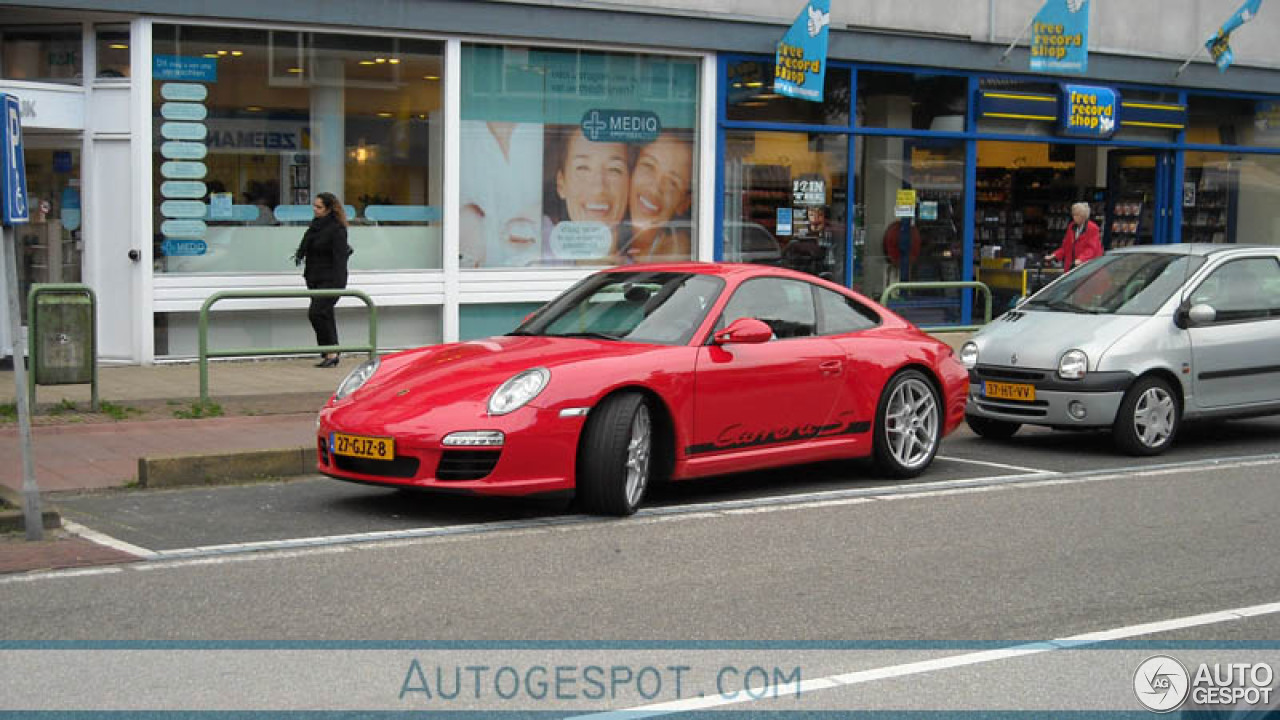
(909,222)
(912,101)
(252,124)
(41,54)
(1228,198)
(751,97)
(112,42)
(1233,121)
(572,157)
(785,200)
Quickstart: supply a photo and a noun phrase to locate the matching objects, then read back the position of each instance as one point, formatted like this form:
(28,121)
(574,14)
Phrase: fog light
(475,438)
(1076,410)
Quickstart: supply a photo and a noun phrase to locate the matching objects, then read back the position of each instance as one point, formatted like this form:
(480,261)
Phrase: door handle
(831,367)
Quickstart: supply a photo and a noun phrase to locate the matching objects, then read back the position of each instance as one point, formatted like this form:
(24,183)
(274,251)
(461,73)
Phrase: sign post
(14,211)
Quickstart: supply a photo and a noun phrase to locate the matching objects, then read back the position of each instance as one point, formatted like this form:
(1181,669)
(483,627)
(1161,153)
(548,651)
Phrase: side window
(1242,290)
(784,305)
(841,314)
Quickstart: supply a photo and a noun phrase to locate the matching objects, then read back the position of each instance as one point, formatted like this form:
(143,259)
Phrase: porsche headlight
(356,378)
(518,391)
(969,354)
(1073,365)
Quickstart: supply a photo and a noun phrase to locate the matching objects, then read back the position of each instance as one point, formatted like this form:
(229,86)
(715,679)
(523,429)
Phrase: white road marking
(104,539)
(945,663)
(181,557)
(988,463)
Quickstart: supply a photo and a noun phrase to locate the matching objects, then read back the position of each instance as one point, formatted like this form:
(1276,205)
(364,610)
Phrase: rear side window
(839,314)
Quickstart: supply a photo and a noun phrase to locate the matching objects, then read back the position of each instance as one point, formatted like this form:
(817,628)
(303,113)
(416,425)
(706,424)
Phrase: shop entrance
(1141,193)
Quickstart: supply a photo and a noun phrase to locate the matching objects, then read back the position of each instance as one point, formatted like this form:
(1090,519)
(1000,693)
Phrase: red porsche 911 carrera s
(650,372)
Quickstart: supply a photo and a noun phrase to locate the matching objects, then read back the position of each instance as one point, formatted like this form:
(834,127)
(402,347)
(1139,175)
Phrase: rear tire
(1148,418)
(991,429)
(615,456)
(908,426)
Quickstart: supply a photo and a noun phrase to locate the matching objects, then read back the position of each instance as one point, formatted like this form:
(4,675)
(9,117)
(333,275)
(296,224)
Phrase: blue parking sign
(13,169)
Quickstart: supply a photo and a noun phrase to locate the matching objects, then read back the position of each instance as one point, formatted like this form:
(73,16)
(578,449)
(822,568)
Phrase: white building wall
(1171,29)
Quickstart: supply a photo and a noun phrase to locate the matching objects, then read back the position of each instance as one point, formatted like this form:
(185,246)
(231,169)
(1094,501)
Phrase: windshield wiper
(515,333)
(593,335)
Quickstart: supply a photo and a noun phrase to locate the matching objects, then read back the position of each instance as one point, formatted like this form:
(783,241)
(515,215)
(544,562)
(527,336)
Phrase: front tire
(991,429)
(908,426)
(615,456)
(1148,418)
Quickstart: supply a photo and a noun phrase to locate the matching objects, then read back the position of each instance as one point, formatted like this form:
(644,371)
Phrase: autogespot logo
(1161,683)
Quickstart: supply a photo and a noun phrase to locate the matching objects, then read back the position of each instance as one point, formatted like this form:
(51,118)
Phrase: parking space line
(106,540)
(859,677)
(715,509)
(1005,466)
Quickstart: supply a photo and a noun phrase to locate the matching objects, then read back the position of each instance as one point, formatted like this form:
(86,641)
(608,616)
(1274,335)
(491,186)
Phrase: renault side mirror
(1197,315)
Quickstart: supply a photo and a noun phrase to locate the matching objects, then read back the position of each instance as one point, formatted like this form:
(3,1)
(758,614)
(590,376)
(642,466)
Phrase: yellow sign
(906,197)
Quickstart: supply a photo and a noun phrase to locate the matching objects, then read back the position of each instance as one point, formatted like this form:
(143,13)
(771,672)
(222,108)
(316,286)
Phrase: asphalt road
(321,507)
(888,596)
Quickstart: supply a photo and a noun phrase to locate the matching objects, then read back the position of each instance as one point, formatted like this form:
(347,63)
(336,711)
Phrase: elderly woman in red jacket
(1083,241)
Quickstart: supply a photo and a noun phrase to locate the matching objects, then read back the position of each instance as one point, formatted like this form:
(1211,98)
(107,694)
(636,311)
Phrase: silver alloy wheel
(1153,416)
(911,423)
(638,451)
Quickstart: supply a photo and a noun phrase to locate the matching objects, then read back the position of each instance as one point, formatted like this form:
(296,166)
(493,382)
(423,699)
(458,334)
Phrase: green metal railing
(206,353)
(895,288)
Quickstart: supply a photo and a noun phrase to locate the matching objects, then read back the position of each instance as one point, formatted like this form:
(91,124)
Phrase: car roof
(1199,249)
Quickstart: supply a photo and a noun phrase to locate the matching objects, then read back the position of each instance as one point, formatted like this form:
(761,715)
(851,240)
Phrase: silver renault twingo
(1136,341)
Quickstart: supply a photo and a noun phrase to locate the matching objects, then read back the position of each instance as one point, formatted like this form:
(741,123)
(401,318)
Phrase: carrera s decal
(738,436)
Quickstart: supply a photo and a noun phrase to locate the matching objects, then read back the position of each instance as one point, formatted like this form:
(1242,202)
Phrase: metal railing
(206,353)
(895,288)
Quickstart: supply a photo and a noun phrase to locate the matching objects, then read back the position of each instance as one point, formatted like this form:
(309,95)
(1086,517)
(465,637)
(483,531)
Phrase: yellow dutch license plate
(373,448)
(1011,391)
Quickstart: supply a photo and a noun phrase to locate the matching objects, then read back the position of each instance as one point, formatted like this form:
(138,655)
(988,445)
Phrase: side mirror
(1194,315)
(744,331)
(1201,315)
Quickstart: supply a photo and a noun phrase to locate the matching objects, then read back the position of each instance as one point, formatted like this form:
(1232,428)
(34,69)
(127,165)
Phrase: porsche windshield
(663,308)
(1120,284)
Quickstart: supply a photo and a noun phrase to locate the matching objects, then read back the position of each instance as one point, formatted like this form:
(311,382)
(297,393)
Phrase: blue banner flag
(1220,44)
(800,66)
(1060,37)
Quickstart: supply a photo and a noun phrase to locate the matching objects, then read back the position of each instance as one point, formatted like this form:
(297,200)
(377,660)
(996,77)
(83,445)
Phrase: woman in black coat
(324,250)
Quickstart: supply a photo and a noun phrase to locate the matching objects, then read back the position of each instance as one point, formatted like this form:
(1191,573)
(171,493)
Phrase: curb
(225,468)
(15,520)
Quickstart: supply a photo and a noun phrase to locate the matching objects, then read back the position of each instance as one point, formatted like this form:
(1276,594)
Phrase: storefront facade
(490,154)
(992,164)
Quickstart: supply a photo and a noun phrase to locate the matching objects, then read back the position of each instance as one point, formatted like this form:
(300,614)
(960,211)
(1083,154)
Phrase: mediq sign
(1088,111)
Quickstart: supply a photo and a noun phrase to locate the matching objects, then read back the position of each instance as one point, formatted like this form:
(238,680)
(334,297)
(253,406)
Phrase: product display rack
(1206,212)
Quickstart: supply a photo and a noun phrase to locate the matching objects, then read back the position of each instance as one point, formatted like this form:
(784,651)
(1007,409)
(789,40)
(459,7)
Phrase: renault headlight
(357,378)
(518,391)
(1073,365)
(969,354)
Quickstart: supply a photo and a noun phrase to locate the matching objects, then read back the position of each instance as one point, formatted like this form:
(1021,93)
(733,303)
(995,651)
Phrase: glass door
(51,244)
(1140,195)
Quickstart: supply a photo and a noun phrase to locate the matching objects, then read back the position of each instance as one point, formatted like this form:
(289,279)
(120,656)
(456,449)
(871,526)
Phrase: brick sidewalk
(57,551)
